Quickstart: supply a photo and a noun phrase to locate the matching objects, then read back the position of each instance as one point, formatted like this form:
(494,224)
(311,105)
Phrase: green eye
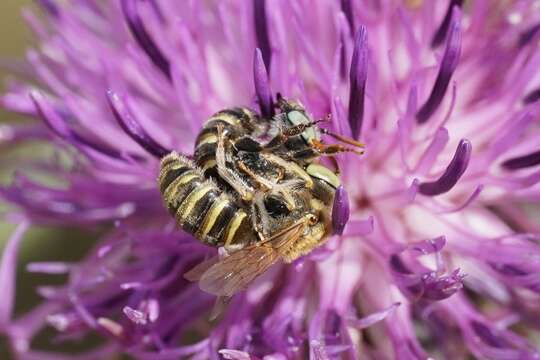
(323,173)
(296,117)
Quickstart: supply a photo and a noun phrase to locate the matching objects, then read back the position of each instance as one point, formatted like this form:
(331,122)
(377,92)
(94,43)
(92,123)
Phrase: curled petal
(132,127)
(49,267)
(360,227)
(262,85)
(486,341)
(50,116)
(261,31)
(532,96)
(528,35)
(235,355)
(448,66)
(357,78)
(346,8)
(58,125)
(143,38)
(340,210)
(429,246)
(523,161)
(50,6)
(372,319)
(136,316)
(440,35)
(8,267)
(441,287)
(453,172)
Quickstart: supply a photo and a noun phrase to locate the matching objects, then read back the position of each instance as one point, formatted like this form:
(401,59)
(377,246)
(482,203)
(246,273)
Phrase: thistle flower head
(434,251)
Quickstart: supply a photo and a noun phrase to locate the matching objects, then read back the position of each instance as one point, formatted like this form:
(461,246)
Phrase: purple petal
(50,6)
(357,78)
(340,210)
(438,142)
(261,31)
(49,267)
(528,35)
(523,161)
(8,267)
(532,96)
(145,41)
(346,8)
(441,287)
(453,172)
(55,122)
(132,127)
(448,66)
(318,350)
(360,227)
(50,116)
(136,316)
(440,35)
(477,191)
(236,355)
(429,246)
(373,318)
(262,85)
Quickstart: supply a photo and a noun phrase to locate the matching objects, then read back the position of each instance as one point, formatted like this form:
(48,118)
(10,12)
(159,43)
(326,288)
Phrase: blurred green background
(40,243)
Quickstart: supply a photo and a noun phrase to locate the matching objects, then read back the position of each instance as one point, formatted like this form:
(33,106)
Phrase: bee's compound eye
(275,206)
(312,219)
(296,117)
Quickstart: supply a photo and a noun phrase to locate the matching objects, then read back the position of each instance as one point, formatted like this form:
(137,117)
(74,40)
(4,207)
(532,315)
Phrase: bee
(255,188)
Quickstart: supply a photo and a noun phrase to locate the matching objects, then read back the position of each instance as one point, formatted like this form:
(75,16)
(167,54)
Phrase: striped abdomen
(200,207)
(235,121)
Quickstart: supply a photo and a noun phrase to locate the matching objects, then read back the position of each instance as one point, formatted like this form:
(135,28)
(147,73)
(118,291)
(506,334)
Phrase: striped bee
(255,188)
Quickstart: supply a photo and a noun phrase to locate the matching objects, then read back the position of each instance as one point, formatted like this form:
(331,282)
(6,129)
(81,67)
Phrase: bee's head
(293,113)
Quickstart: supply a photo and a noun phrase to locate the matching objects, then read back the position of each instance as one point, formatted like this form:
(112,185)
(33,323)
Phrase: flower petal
(8,268)
(262,85)
(357,78)
(132,127)
(448,66)
(452,174)
(340,210)
(143,38)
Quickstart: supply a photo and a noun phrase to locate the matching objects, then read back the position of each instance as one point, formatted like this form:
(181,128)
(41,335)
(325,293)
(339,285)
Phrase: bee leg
(335,165)
(331,149)
(264,184)
(232,178)
(260,216)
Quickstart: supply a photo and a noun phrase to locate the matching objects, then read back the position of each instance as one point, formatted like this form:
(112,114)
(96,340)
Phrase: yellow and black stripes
(200,207)
(236,122)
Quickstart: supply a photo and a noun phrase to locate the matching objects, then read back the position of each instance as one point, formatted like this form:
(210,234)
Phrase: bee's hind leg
(232,178)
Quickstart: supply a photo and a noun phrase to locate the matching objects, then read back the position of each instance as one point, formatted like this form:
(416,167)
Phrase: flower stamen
(261,31)
(441,32)
(523,161)
(357,78)
(262,85)
(143,38)
(452,174)
(448,66)
(132,127)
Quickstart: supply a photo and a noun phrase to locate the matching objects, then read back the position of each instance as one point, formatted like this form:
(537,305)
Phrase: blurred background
(44,243)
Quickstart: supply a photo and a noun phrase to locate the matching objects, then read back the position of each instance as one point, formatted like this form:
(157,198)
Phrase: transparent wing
(235,272)
(198,270)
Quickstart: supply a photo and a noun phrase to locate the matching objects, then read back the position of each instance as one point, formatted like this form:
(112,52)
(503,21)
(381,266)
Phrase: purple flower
(435,252)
